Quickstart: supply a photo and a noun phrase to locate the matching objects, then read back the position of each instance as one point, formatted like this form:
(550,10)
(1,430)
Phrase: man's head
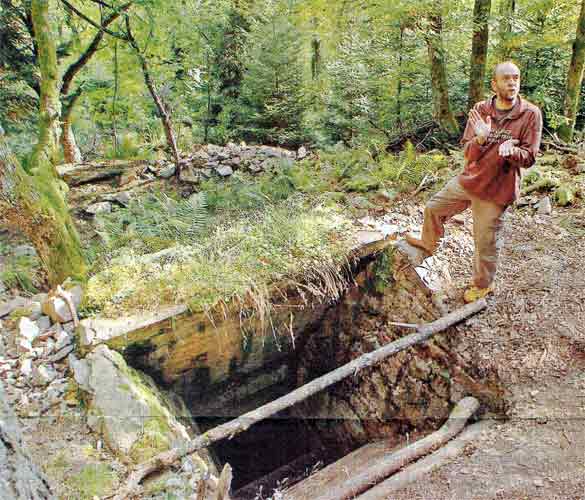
(506,81)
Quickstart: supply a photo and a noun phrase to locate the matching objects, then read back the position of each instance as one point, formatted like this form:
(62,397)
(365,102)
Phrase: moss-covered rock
(564,195)
(135,418)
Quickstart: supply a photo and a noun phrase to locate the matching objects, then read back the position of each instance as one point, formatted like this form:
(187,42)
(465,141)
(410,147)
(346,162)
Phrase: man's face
(506,83)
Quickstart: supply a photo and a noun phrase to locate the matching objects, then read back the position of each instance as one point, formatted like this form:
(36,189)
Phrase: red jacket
(489,176)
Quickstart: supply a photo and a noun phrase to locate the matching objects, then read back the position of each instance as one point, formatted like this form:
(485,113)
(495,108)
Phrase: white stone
(302,153)
(120,402)
(44,375)
(28,329)
(44,323)
(58,310)
(63,339)
(102,207)
(545,206)
(24,251)
(26,367)
(168,171)
(7,307)
(123,198)
(49,347)
(224,170)
(24,346)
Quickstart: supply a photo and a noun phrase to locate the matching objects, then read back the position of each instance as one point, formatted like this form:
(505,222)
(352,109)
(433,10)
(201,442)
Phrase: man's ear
(493,85)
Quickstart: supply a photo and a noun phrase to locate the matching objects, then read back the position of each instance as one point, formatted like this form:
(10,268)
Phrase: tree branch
(98,26)
(91,49)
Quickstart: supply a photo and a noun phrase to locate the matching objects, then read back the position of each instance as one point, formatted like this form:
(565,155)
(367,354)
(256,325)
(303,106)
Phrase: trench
(407,395)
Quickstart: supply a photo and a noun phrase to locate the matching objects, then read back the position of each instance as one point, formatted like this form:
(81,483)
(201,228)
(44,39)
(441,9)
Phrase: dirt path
(533,333)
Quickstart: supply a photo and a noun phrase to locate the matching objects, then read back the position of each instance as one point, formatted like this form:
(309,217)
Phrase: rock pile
(34,368)
(210,160)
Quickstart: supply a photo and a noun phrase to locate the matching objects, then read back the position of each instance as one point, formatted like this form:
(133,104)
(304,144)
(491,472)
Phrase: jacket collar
(516,111)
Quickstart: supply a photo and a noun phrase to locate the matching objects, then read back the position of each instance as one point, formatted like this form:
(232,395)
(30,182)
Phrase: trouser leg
(487,226)
(450,200)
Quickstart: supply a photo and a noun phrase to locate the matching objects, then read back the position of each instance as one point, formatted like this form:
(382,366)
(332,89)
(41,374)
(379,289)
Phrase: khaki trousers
(487,225)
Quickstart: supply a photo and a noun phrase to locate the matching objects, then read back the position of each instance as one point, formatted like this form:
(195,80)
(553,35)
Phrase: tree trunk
(479,48)
(20,479)
(164,115)
(574,79)
(45,152)
(439,85)
(316,57)
(399,79)
(507,10)
(71,153)
(34,203)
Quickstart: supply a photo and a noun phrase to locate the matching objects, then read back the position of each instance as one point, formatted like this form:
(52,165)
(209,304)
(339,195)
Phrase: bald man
(501,138)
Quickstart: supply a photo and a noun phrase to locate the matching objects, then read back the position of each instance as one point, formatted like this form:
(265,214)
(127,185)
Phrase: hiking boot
(418,243)
(474,293)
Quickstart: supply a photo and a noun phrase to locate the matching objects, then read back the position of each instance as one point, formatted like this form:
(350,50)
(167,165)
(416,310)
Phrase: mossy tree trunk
(33,203)
(479,48)
(71,153)
(439,85)
(574,79)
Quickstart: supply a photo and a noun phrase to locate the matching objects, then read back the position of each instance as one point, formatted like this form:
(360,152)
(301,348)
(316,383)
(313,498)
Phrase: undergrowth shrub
(22,272)
(154,222)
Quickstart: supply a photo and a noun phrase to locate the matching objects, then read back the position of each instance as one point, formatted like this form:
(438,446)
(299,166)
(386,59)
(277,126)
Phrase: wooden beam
(380,468)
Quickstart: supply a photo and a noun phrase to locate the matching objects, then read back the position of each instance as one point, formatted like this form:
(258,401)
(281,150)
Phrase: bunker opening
(230,369)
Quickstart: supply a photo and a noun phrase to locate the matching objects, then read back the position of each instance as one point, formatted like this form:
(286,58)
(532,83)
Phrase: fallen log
(546,183)
(361,480)
(564,148)
(241,424)
(75,175)
(418,470)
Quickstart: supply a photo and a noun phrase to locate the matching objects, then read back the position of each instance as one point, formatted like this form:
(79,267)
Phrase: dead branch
(243,423)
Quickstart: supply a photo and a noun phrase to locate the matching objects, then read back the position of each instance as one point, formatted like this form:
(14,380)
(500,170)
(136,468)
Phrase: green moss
(22,273)
(20,312)
(383,270)
(564,195)
(154,440)
(91,481)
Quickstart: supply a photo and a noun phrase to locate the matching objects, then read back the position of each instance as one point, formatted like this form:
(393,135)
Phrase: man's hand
(507,147)
(481,128)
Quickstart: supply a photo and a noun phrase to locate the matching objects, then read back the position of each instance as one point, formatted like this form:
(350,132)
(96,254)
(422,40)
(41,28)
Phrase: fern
(155,222)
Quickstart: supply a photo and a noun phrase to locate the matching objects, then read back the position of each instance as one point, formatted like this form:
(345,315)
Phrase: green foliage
(154,222)
(272,96)
(383,270)
(243,71)
(243,253)
(359,170)
(22,273)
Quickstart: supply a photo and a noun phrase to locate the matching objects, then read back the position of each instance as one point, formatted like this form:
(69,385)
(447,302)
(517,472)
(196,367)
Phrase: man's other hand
(507,147)
(481,128)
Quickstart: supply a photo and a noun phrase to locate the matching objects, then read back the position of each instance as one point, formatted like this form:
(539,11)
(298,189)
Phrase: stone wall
(410,392)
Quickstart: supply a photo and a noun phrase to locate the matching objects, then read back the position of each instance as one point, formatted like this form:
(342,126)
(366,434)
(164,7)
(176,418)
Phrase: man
(502,136)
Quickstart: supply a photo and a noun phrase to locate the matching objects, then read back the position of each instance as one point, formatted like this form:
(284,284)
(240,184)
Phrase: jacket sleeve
(472,151)
(524,154)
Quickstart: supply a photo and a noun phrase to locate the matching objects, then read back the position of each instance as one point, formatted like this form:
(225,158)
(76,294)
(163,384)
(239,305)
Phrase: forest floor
(533,334)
